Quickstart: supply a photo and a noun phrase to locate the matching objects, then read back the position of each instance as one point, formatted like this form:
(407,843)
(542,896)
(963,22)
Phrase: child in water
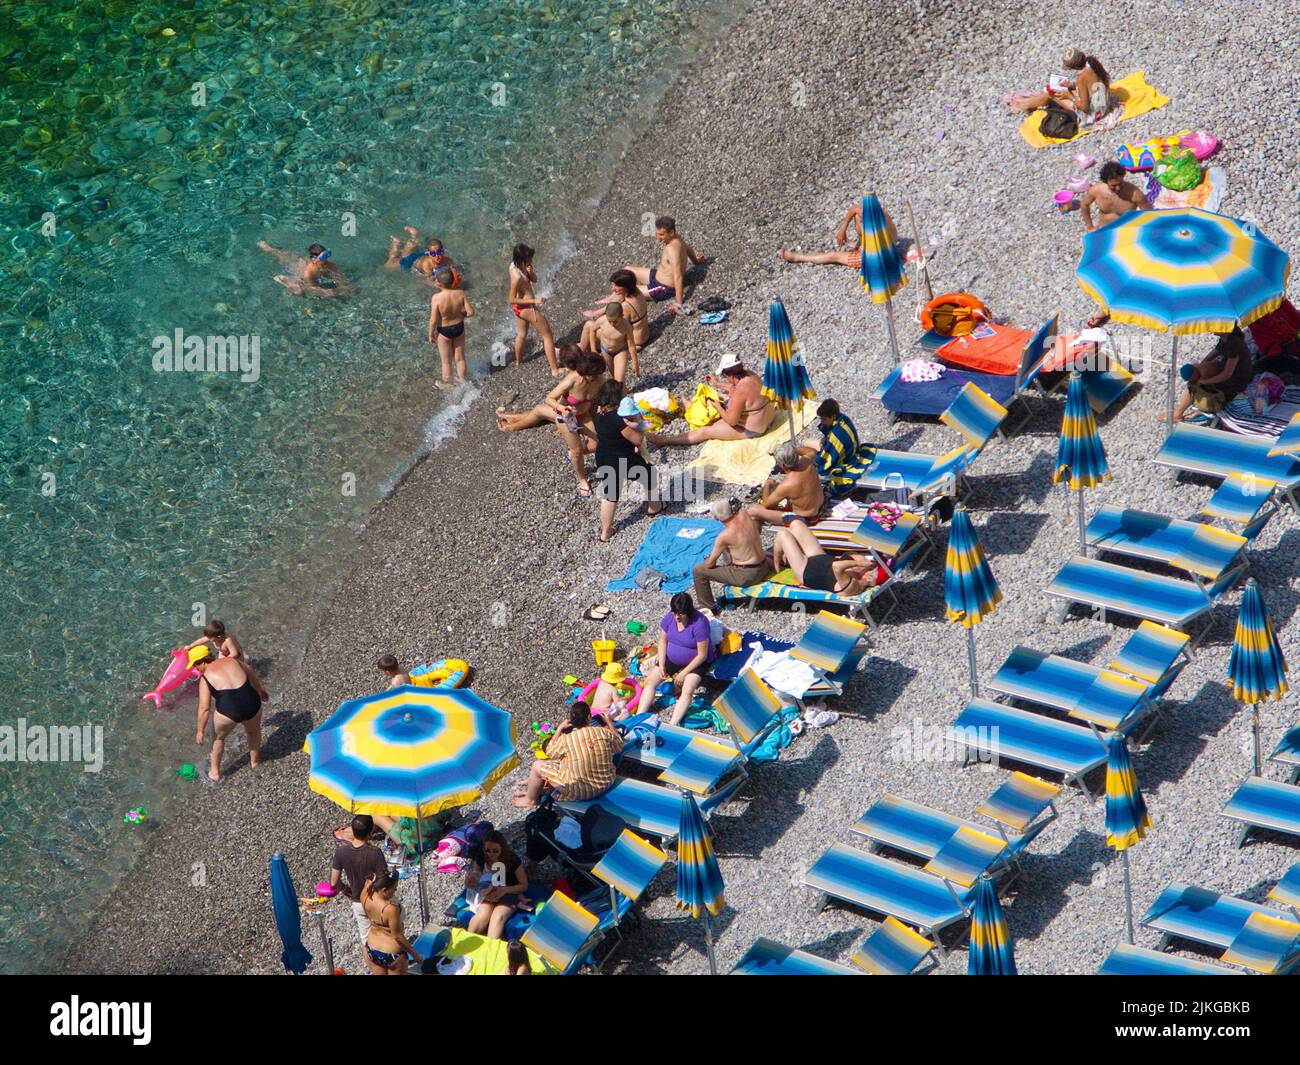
(222,642)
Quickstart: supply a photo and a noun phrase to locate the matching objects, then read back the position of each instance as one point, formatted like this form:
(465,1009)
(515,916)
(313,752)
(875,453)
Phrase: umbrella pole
(922,265)
(1258,750)
(1128,898)
(325,940)
(1173,373)
(893,333)
(1083,544)
(793,436)
(970,658)
(708,943)
(419,867)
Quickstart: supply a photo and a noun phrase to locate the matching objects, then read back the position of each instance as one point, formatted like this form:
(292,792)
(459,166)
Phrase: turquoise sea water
(144,149)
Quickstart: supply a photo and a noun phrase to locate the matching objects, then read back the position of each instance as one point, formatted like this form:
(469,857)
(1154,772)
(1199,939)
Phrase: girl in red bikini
(527,307)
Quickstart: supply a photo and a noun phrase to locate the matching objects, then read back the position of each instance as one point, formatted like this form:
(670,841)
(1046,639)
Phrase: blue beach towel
(672,546)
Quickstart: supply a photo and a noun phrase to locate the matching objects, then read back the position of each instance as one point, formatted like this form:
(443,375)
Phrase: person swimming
(425,261)
(316,274)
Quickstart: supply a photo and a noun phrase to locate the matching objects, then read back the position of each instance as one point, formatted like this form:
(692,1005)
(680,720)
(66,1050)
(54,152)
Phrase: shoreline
(443,553)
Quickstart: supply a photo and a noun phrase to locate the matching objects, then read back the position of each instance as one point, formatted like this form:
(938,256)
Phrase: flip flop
(713,318)
(583,492)
(596,612)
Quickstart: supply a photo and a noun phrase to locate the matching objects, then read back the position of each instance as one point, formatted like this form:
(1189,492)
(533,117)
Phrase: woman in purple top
(685,651)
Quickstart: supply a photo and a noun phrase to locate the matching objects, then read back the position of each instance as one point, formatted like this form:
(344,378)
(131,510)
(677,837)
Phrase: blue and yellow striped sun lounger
(887,887)
(1287,891)
(1108,699)
(1198,915)
(1215,453)
(1243,501)
(563,933)
(1262,803)
(1109,588)
(648,808)
(702,765)
(1004,733)
(1266,944)
(917,474)
(1202,550)
(630,865)
(1287,752)
(750,707)
(1019,801)
(767,957)
(1151,653)
(729,667)
(893,949)
(828,641)
(975,414)
(1125,960)
(671,740)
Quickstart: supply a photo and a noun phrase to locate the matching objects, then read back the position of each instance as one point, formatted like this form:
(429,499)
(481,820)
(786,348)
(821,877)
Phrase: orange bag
(953,314)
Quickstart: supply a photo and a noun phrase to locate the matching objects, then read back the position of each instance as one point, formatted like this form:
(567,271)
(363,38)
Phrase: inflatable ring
(627,682)
(444,673)
(960,300)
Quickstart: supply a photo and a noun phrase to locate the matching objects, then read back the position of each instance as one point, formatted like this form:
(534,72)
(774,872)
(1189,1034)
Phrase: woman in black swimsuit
(796,547)
(238,693)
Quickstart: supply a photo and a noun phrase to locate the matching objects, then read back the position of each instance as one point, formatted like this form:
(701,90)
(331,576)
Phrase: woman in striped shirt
(579,761)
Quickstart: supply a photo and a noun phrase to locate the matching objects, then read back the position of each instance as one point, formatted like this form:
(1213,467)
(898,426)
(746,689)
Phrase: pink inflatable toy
(177,673)
(1202,144)
(629,682)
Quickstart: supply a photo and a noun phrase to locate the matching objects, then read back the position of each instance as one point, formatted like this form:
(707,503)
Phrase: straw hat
(614,673)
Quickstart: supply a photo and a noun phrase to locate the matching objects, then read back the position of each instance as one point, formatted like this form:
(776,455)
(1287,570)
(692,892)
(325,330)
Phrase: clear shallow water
(128,496)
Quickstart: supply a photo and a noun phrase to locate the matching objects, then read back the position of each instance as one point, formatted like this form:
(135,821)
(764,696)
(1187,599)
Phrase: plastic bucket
(604,651)
(1063,201)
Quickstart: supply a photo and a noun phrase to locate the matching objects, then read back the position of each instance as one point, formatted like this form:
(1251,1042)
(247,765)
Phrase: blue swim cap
(1185,371)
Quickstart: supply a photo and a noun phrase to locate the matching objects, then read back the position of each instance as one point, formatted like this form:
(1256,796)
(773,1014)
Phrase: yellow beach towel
(749,461)
(1132,93)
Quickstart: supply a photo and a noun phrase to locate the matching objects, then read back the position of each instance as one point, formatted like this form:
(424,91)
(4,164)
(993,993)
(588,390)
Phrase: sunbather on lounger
(796,493)
(1219,378)
(797,548)
(741,543)
(748,413)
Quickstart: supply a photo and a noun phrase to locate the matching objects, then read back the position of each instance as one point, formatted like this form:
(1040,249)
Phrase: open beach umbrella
(970,591)
(1127,820)
(880,268)
(699,881)
(1080,458)
(411,752)
(1182,271)
(785,377)
(1256,666)
(990,943)
(288,919)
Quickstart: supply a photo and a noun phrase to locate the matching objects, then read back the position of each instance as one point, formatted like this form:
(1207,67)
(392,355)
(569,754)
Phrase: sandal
(584,490)
(596,612)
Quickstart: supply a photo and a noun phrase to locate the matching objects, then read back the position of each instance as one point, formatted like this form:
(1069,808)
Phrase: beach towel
(1133,97)
(1239,416)
(748,462)
(1207,195)
(992,349)
(486,957)
(672,546)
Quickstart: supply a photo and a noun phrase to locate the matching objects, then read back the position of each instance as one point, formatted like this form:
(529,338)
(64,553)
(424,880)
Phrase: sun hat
(614,673)
(198,654)
(728,361)
(628,408)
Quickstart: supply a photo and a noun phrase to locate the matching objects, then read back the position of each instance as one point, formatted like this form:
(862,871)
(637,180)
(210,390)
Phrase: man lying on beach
(737,558)
(397,676)
(315,275)
(747,414)
(796,493)
(221,641)
(613,336)
(636,308)
(424,262)
(668,279)
(846,254)
(448,309)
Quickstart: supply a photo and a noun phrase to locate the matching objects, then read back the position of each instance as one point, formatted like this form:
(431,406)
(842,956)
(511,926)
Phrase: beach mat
(1239,416)
(748,462)
(672,546)
(487,957)
(1131,92)
(1207,195)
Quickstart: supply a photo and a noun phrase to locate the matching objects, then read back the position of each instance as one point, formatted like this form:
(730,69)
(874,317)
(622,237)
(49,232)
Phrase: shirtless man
(741,542)
(622,287)
(314,275)
(448,309)
(1112,195)
(668,279)
(797,493)
(527,307)
(748,412)
(613,336)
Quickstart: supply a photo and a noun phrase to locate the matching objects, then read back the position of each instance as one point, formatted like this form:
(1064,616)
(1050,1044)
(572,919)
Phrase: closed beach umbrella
(880,268)
(970,591)
(1080,458)
(288,919)
(1256,666)
(990,942)
(1183,271)
(699,880)
(1127,819)
(785,377)
(411,752)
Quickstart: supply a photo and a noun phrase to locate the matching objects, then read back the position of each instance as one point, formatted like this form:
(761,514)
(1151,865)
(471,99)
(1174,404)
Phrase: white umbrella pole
(970,659)
(893,333)
(419,868)
(1173,373)
(1258,750)
(1083,544)
(1128,898)
(793,436)
(708,943)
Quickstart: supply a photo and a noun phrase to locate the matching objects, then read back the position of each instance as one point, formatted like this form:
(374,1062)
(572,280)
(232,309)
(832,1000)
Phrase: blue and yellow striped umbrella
(785,377)
(1256,667)
(1183,270)
(970,591)
(411,751)
(1080,457)
(699,880)
(880,269)
(990,941)
(1127,819)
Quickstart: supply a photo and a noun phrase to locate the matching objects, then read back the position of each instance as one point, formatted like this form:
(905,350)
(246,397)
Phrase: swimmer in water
(315,275)
(425,262)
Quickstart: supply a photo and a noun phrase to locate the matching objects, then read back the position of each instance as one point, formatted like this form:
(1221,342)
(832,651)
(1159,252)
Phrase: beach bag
(698,412)
(1059,123)
(1179,172)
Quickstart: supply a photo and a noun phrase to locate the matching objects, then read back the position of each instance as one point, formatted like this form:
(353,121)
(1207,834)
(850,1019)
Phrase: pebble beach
(483,552)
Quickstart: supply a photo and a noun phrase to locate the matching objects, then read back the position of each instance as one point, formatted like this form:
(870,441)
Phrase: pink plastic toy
(1078,184)
(1064,201)
(177,673)
(326,890)
(629,682)
(1082,162)
(1202,144)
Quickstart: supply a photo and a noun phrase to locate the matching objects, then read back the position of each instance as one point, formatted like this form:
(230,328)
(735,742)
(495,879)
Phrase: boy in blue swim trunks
(667,281)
